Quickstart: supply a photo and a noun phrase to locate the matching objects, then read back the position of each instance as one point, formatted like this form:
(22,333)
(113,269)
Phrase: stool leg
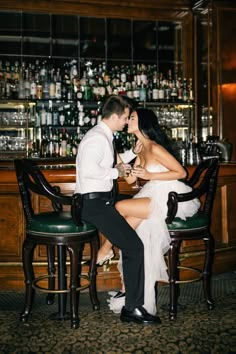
(173,276)
(94,244)
(62,297)
(74,276)
(51,273)
(27,258)
(209,244)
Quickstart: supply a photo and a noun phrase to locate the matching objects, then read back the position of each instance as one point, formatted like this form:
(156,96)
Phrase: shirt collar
(107,130)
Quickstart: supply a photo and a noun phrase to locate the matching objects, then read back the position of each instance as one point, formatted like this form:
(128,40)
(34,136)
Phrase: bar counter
(62,174)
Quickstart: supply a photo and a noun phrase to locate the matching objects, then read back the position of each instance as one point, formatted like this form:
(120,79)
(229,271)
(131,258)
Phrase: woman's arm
(162,156)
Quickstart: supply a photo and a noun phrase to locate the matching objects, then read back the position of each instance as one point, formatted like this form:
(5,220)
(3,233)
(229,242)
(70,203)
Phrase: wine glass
(137,182)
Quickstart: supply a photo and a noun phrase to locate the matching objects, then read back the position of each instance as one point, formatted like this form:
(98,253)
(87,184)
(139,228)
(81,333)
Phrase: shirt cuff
(128,156)
(114,173)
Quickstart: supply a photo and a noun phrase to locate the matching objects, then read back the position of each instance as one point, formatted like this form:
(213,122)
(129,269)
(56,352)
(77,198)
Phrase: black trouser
(108,220)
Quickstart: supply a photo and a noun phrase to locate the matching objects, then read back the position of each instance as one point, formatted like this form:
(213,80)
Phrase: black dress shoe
(138,315)
(119,294)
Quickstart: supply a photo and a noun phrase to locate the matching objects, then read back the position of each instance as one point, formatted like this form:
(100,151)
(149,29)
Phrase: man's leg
(106,218)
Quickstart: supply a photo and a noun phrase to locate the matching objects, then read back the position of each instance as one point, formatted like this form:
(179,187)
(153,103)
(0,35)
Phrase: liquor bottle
(43,116)
(87,118)
(129,90)
(73,70)
(190,90)
(107,83)
(143,75)
(14,81)
(2,81)
(50,144)
(49,113)
(185,90)
(65,82)
(138,76)
(39,88)
(58,85)
(93,117)
(74,147)
(79,93)
(80,115)
(44,145)
(37,118)
(44,80)
(143,93)
(180,89)
(56,143)
(21,91)
(33,86)
(101,88)
(63,143)
(61,115)
(27,83)
(161,91)
(168,87)
(155,91)
(68,145)
(174,92)
(74,79)
(73,115)
(67,115)
(123,79)
(52,85)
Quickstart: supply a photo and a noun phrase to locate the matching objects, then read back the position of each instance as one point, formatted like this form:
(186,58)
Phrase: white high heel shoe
(106,258)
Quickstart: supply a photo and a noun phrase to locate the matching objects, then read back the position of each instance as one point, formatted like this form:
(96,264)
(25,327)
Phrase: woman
(147,210)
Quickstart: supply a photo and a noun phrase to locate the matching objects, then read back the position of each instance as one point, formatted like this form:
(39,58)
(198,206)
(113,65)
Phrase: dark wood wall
(151,9)
(224,70)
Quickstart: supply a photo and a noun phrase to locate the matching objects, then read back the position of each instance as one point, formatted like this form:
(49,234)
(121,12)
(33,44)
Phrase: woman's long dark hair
(150,128)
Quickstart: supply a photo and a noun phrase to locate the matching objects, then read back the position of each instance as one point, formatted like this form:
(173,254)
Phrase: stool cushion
(57,222)
(196,221)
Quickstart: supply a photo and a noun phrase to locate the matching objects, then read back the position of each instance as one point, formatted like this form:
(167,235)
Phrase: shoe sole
(127,319)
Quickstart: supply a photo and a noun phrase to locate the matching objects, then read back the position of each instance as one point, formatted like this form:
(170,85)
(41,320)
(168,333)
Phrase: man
(94,180)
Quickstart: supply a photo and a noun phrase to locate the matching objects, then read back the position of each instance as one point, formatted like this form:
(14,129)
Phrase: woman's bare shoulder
(157,148)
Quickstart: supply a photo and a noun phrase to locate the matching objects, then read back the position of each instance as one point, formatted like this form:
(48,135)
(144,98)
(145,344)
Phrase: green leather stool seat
(66,239)
(57,222)
(196,221)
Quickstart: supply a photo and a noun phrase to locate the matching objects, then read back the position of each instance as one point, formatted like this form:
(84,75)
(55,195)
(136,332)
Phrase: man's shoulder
(95,133)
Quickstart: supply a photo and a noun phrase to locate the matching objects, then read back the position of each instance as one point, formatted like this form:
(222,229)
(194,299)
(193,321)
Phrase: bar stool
(60,230)
(197,227)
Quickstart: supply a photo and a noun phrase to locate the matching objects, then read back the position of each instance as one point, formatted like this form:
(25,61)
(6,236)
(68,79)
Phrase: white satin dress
(155,236)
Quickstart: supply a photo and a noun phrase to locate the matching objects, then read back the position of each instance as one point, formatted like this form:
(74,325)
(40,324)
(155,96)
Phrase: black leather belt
(96,195)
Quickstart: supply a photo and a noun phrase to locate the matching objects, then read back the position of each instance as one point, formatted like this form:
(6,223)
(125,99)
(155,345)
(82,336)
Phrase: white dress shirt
(94,161)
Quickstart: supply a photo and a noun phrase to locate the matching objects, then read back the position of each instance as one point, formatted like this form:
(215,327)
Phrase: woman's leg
(134,211)
(104,250)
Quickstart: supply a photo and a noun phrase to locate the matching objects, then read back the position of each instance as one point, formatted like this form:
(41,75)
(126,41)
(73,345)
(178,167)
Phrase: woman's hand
(140,172)
(138,147)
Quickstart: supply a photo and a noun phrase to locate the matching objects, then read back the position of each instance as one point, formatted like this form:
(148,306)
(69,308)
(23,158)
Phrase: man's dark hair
(114,104)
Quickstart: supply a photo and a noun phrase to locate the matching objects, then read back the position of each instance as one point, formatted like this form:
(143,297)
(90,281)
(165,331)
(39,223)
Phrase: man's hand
(124,169)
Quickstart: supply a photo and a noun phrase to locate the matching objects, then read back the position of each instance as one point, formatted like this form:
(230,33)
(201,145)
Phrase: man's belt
(97,195)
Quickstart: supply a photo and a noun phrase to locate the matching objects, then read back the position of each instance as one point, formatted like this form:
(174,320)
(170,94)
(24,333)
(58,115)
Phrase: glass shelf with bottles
(67,101)
(44,80)
(16,128)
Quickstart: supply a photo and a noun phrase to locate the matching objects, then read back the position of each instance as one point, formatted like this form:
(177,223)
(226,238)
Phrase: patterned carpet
(196,330)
